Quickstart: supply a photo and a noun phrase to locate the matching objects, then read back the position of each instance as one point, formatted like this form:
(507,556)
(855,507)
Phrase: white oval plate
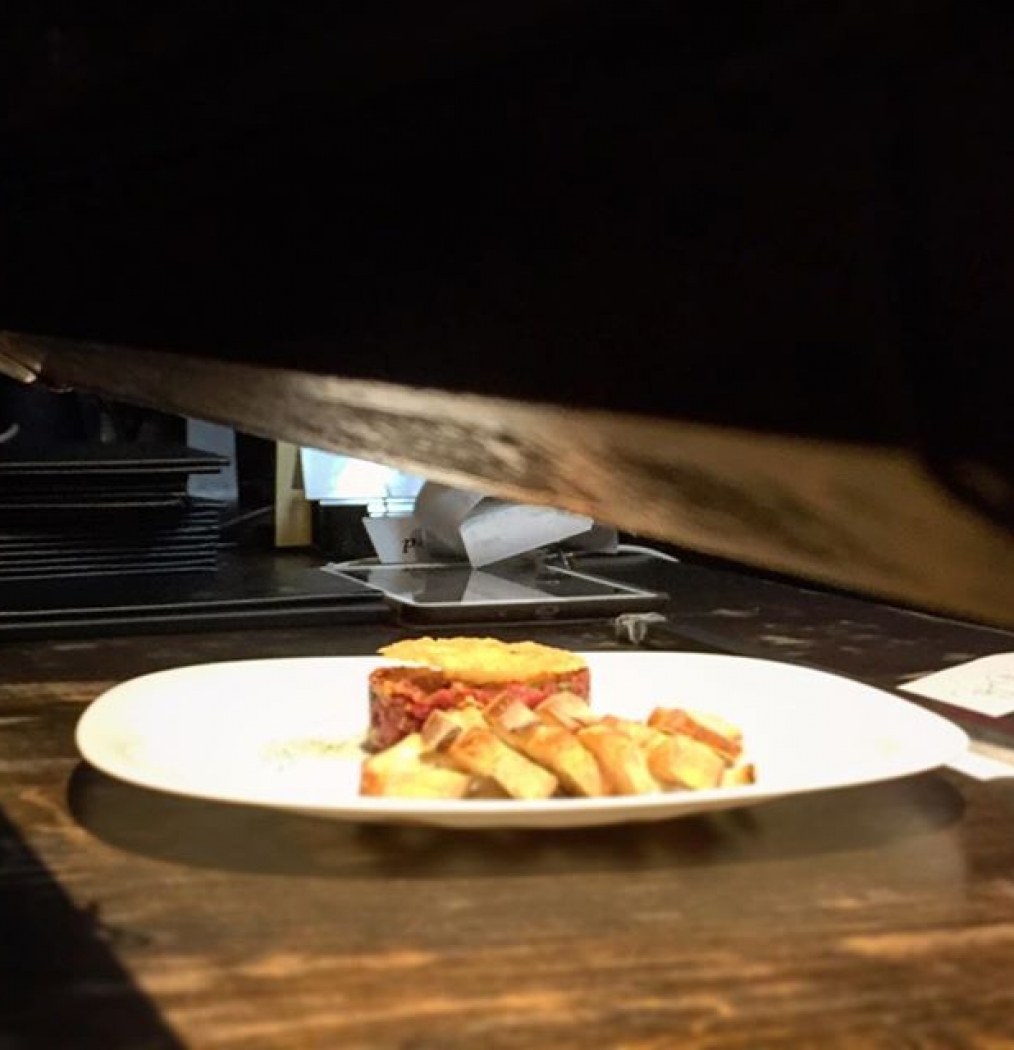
(284,732)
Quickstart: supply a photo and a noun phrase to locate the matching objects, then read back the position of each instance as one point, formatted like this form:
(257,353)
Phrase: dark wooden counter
(877,917)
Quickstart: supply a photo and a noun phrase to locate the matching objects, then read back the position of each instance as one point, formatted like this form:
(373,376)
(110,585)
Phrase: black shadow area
(60,982)
(261,840)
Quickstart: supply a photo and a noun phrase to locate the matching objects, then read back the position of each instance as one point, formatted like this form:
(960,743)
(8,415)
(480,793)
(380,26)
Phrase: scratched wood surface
(880,917)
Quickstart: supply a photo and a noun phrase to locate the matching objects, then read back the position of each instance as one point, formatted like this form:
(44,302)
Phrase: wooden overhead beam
(868,518)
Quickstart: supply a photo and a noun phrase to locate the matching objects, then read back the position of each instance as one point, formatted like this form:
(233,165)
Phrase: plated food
(287,734)
(480,718)
(442,673)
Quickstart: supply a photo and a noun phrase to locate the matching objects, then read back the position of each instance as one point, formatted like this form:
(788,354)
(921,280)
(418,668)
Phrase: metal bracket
(633,628)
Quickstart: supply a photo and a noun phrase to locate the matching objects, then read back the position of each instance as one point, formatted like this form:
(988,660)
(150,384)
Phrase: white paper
(441,510)
(985,685)
(496,530)
(484,530)
(397,539)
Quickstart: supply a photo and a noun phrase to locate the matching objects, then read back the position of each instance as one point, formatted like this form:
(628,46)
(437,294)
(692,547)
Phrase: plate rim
(473,811)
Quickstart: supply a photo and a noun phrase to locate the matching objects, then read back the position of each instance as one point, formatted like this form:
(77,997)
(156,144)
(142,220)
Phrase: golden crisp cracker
(485,661)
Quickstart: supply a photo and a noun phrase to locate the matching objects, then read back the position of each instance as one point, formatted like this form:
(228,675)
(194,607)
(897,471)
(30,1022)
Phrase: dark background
(34,419)
(786,216)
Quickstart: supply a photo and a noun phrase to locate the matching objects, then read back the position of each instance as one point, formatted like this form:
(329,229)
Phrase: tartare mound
(442,674)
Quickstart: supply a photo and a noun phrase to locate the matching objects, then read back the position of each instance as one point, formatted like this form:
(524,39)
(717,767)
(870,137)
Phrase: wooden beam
(867,518)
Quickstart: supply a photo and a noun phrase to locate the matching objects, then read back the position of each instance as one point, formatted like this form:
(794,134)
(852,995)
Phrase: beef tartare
(446,673)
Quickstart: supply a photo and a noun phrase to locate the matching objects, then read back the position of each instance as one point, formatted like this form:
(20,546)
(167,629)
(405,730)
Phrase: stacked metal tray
(85,511)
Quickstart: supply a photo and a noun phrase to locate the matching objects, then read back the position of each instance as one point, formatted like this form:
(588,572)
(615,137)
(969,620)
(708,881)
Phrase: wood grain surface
(880,917)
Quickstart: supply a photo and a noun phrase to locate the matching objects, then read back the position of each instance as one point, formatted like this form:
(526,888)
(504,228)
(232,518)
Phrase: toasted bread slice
(621,760)
(439,730)
(484,787)
(566,710)
(509,713)
(558,750)
(466,716)
(740,776)
(673,759)
(406,771)
(718,734)
(642,735)
(682,761)
(442,726)
(480,752)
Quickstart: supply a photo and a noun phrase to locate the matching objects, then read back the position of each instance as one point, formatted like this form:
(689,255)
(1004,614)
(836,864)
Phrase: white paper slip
(985,685)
